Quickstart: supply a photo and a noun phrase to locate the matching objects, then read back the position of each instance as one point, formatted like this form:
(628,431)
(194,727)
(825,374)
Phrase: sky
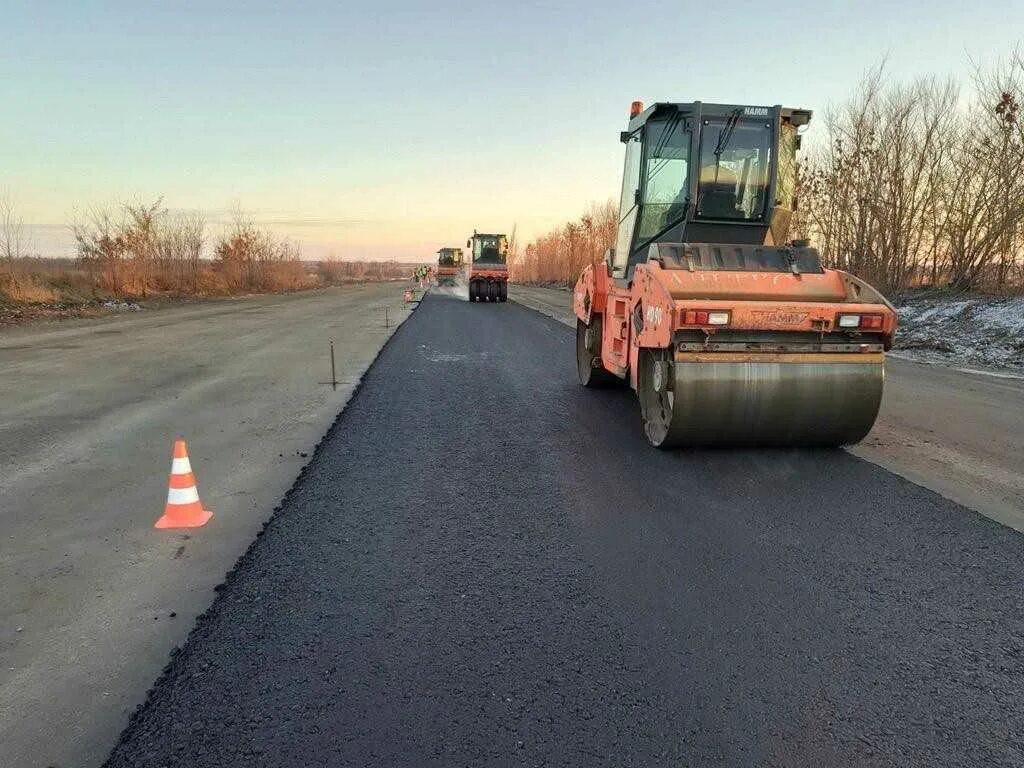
(378,129)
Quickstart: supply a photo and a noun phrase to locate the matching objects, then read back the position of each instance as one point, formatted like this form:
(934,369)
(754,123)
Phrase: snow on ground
(986,332)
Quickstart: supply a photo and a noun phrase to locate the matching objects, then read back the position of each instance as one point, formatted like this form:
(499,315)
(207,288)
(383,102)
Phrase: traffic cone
(183,510)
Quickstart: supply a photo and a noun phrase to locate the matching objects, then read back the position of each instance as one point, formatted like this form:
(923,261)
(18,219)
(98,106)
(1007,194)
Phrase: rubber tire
(590,376)
(502,291)
(492,291)
(473,290)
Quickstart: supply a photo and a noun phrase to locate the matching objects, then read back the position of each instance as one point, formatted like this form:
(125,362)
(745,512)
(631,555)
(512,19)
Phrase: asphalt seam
(279,510)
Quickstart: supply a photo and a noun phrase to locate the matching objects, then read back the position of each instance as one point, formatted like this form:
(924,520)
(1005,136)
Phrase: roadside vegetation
(557,257)
(142,251)
(906,184)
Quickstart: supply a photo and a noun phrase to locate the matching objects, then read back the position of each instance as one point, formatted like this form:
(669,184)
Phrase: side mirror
(469,243)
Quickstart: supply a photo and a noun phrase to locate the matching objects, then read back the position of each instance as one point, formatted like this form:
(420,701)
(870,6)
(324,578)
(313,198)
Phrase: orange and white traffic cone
(183,510)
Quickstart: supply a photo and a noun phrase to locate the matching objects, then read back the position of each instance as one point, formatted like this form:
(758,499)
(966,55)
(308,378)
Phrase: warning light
(636,108)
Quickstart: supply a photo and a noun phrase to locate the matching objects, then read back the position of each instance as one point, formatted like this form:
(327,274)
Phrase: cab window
(666,176)
(627,205)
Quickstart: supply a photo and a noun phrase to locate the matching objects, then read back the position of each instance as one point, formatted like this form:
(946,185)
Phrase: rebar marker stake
(334,377)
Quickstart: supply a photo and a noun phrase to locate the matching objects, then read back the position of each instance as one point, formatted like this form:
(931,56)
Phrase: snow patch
(986,332)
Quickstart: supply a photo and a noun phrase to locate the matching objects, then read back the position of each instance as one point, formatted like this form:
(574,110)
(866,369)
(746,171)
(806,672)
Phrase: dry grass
(20,288)
(64,281)
(138,252)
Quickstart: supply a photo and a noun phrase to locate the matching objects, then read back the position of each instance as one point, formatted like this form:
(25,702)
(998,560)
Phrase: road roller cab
(488,275)
(730,332)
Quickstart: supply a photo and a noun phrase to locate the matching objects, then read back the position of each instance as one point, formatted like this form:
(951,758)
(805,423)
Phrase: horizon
(386,134)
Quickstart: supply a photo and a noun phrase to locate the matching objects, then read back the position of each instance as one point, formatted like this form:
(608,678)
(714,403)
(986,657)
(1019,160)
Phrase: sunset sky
(389,129)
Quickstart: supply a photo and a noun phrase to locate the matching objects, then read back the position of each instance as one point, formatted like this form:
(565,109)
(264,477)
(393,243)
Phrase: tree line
(905,184)
(137,250)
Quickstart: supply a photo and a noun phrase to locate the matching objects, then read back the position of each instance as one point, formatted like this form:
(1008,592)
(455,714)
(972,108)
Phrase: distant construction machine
(730,333)
(449,266)
(488,273)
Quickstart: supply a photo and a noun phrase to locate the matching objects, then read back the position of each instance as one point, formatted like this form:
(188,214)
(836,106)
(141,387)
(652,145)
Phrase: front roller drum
(589,368)
(830,402)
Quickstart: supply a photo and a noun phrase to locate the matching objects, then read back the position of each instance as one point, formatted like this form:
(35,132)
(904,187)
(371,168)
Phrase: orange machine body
(651,311)
(491,272)
(448,271)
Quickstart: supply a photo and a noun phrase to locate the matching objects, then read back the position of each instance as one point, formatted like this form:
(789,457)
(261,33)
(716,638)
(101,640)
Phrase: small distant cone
(183,510)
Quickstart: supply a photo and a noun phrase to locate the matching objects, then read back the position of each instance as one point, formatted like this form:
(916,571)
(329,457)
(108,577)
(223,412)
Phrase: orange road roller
(730,332)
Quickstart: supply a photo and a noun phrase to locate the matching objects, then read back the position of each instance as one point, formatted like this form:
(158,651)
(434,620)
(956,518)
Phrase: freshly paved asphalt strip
(92,598)
(956,432)
(484,564)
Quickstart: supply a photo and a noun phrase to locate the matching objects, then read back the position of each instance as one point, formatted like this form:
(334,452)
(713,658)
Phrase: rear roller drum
(830,402)
(589,368)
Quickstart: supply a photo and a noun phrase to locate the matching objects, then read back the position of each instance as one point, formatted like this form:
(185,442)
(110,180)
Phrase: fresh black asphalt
(485,565)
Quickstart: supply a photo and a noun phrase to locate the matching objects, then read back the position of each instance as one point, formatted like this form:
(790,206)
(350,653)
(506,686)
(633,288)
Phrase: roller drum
(809,403)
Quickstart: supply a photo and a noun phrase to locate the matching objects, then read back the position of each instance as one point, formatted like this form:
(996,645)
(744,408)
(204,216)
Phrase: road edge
(229,576)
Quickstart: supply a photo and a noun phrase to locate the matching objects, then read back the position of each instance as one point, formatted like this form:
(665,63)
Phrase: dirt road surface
(485,564)
(93,598)
(955,432)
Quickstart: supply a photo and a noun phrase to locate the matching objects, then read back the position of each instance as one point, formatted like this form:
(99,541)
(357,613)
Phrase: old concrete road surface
(92,598)
(485,565)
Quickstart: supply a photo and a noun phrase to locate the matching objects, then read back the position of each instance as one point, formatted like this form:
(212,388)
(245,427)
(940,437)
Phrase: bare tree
(255,259)
(871,193)
(101,249)
(982,212)
(14,238)
(560,255)
(179,249)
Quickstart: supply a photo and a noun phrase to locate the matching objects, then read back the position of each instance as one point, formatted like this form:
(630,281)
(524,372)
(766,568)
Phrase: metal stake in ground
(334,378)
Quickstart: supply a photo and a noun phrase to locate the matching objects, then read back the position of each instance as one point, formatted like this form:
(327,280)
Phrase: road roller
(488,272)
(449,266)
(730,332)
